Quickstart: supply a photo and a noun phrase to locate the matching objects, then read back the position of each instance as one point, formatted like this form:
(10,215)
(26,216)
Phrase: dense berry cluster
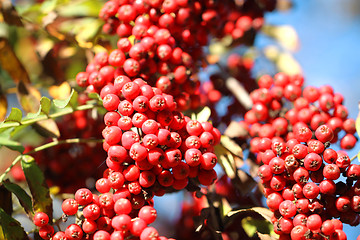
(152,149)
(280,106)
(299,171)
(166,47)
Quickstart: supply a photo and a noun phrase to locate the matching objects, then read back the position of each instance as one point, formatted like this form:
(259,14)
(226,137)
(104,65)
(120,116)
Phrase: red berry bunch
(152,147)
(300,173)
(110,216)
(281,107)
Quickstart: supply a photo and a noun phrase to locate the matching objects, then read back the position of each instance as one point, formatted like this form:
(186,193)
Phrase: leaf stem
(48,145)
(45,117)
(17,159)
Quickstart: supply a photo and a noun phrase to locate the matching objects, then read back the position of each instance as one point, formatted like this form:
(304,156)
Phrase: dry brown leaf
(10,14)
(3,105)
(10,63)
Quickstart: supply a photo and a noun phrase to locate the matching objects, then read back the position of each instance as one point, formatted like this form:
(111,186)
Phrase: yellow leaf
(60,92)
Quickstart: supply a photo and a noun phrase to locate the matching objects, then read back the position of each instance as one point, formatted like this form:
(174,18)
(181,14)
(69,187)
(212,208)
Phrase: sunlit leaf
(235,130)
(37,185)
(69,101)
(203,115)
(89,8)
(14,116)
(23,197)
(13,145)
(60,92)
(266,236)
(11,229)
(232,146)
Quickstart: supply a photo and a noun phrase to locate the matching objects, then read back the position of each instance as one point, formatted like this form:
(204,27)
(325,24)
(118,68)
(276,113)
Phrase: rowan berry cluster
(281,106)
(300,173)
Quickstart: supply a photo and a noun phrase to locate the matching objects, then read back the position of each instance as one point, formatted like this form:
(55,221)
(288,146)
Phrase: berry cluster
(300,173)
(168,39)
(152,149)
(281,106)
(105,217)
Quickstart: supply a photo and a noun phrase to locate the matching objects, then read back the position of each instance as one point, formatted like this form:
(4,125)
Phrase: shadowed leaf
(251,226)
(47,128)
(37,185)
(24,198)
(9,13)
(6,200)
(11,229)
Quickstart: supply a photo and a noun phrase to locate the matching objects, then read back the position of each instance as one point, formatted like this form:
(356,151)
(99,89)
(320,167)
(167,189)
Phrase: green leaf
(14,116)
(11,229)
(88,8)
(42,201)
(13,145)
(251,226)
(94,95)
(70,101)
(45,105)
(24,198)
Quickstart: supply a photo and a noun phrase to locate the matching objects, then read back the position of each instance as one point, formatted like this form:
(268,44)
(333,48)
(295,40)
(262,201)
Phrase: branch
(48,145)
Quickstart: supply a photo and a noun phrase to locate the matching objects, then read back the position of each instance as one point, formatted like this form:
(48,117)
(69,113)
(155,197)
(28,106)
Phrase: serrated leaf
(14,116)
(13,145)
(70,101)
(24,198)
(203,115)
(11,229)
(35,178)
